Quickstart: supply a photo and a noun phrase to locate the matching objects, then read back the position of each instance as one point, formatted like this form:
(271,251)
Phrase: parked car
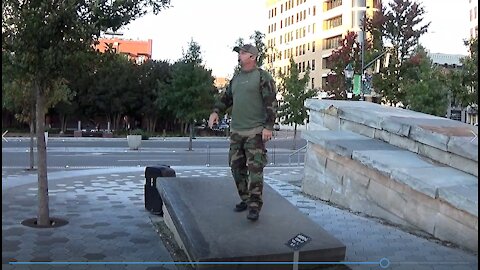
(222,126)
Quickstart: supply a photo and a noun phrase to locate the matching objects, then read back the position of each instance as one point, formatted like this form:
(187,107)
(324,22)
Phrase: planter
(134,141)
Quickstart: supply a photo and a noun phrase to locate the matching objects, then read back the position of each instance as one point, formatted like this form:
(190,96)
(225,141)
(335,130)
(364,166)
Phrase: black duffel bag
(153,202)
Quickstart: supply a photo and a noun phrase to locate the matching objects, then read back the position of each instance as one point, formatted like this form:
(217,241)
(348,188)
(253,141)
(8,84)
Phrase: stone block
(317,118)
(421,211)
(334,172)
(314,184)
(429,180)
(464,164)
(460,216)
(315,126)
(466,147)
(357,128)
(429,137)
(355,190)
(388,199)
(462,196)
(434,153)
(449,229)
(398,128)
(201,211)
(362,116)
(315,161)
(382,135)
(331,122)
(404,143)
(353,176)
(385,161)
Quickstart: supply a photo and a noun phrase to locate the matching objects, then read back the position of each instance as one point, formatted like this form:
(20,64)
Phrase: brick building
(138,50)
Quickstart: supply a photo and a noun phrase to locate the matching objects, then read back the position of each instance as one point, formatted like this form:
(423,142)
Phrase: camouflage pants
(247,158)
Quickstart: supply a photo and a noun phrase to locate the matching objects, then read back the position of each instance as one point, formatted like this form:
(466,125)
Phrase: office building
(473,25)
(309,31)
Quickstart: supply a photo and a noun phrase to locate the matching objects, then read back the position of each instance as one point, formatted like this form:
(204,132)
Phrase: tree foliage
(294,93)
(348,52)
(257,39)
(42,34)
(424,85)
(469,74)
(401,26)
(191,91)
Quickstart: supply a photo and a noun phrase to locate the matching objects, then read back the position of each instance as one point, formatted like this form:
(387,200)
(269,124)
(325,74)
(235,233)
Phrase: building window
(313,83)
(313,64)
(331,4)
(332,23)
(331,43)
(313,46)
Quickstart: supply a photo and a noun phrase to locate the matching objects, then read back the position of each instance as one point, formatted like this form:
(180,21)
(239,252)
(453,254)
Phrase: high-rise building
(473,9)
(138,50)
(309,30)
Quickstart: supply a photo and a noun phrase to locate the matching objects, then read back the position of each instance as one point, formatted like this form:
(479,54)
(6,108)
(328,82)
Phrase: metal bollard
(208,156)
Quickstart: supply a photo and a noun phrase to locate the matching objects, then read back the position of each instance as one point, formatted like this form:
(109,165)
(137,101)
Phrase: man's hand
(266,135)
(213,119)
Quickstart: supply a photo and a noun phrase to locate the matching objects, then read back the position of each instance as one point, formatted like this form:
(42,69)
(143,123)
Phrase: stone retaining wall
(379,167)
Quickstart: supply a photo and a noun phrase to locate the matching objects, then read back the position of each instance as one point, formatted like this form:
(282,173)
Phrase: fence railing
(297,152)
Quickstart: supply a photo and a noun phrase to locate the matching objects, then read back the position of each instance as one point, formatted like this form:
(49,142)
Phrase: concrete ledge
(379,179)
(201,211)
(417,132)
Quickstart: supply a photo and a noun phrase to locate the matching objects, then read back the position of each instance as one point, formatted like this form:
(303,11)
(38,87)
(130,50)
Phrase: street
(82,153)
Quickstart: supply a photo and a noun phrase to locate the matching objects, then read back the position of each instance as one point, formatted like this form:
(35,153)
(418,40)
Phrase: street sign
(356,84)
(298,241)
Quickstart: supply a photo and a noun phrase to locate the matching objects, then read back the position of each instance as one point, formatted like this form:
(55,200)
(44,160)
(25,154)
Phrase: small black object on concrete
(153,202)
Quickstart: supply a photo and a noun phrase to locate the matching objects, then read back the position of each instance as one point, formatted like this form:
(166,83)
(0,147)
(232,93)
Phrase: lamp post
(348,72)
(362,91)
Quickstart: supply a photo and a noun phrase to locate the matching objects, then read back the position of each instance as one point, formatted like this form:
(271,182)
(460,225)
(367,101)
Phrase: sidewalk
(109,224)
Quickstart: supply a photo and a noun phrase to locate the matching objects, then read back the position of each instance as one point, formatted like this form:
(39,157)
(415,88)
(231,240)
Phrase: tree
(153,75)
(348,52)
(469,75)
(191,93)
(41,34)
(425,90)
(400,26)
(257,39)
(18,97)
(294,91)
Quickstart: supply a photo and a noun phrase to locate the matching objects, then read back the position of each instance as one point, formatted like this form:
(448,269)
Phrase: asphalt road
(81,153)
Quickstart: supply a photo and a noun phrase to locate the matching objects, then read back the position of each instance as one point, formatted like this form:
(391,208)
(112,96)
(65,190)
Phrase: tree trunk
(32,140)
(63,123)
(43,218)
(184,128)
(190,141)
(295,137)
(154,124)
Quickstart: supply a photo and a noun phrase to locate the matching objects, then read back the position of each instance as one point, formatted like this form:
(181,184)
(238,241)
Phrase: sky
(216,24)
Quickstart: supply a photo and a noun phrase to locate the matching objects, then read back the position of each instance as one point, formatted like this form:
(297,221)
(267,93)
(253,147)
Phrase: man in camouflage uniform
(252,95)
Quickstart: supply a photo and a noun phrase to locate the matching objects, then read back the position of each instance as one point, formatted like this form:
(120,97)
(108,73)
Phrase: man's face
(245,57)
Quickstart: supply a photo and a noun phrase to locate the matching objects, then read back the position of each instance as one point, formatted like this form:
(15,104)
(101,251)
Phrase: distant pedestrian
(252,96)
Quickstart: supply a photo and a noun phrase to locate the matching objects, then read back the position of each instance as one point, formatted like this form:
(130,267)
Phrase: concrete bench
(199,212)
(353,166)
